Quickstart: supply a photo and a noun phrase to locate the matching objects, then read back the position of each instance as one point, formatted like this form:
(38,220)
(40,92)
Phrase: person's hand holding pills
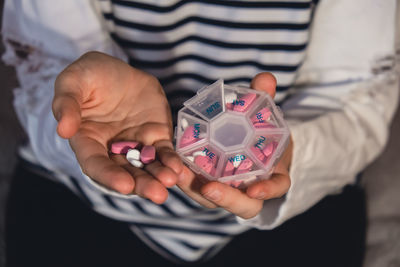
(243,203)
(100,100)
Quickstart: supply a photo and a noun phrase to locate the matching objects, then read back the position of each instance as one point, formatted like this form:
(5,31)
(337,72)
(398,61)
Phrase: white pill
(133,154)
(184,123)
(230,97)
(190,158)
(136,163)
(237,162)
(199,153)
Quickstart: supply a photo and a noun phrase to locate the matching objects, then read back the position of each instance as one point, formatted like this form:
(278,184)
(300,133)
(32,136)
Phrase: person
(330,77)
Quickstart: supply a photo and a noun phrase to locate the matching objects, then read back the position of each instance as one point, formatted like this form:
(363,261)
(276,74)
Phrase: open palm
(100,99)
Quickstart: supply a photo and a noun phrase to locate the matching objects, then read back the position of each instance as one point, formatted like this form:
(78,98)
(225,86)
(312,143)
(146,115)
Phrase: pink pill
(244,102)
(262,115)
(229,106)
(211,155)
(123,147)
(229,168)
(246,164)
(148,154)
(258,153)
(205,163)
(259,125)
(269,149)
(187,137)
(190,135)
(244,167)
(261,118)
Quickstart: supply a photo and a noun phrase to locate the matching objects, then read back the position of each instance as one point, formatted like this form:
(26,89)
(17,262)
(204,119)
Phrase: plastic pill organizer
(234,135)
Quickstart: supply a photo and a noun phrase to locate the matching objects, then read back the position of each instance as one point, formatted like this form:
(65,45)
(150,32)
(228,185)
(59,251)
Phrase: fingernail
(213,195)
(261,195)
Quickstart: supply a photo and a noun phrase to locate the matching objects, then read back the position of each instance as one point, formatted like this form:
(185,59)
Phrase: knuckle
(268,191)
(87,166)
(152,132)
(67,79)
(254,211)
(164,145)
(279,187)
(153,80)
(282,187)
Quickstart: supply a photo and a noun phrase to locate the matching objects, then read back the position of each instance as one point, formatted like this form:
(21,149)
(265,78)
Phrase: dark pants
(47,225)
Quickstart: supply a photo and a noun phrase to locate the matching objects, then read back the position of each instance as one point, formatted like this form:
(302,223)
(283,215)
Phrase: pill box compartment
(192,129)
(239,99)
(238,167)
(245,128)
(204,159)
(266,147)
(208,103)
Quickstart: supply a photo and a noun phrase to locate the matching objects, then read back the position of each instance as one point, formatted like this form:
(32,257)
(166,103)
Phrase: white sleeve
(41,39)
(342,105)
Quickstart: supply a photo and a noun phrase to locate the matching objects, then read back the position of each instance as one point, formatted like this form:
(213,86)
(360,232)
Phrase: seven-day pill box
(231,134)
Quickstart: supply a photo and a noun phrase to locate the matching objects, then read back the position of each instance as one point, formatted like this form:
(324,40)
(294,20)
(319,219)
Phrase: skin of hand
(94,105)
(245,204)
(99,100)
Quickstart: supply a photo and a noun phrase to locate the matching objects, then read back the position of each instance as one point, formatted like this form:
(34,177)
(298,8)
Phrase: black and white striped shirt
(189,44)
(186,45)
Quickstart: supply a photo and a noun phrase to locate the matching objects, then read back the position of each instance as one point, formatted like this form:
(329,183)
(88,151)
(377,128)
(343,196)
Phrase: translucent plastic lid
(234,135)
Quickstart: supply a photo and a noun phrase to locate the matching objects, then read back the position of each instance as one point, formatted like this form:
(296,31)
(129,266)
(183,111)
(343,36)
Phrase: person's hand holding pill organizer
(245,203)
(100,100)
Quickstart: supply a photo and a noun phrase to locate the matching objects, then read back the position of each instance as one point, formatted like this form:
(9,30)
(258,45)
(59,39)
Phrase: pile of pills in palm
(234,135)
(137,158)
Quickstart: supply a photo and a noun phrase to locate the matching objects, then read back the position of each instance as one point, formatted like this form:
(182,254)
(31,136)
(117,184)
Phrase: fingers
(274,187)
(67,104)
(168,156)
(164,174)
(151,132)
(169,164)
(191,184)
(232,199)
(159,135)
(67,112)
(95,162)
(117,174)
(266,82)
(243,204)
(249,204)
(145,184)
(278,184)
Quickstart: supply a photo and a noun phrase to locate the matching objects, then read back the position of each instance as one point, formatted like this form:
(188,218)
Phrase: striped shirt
(189,44)
(186,45)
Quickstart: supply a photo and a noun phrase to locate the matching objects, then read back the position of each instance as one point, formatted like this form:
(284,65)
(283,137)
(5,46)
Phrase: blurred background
(381,181)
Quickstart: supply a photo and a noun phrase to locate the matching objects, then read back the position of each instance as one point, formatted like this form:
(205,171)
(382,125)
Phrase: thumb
(266,82)
(67,111)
